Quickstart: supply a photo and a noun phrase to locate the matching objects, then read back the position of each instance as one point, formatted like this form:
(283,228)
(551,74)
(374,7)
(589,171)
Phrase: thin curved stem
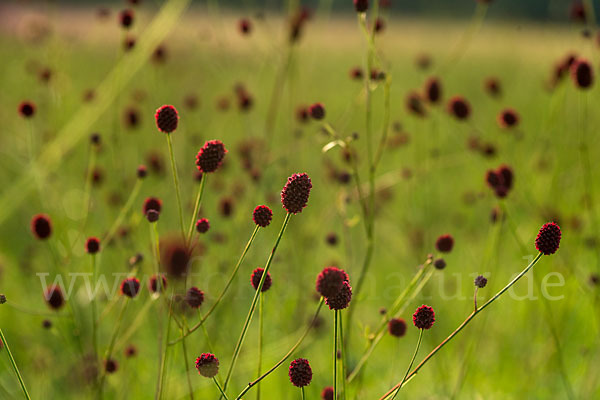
(111,346)
(412,361)
(260,339)
(176,181)
(196,208)
(220,388)
(14,365)
(124,210)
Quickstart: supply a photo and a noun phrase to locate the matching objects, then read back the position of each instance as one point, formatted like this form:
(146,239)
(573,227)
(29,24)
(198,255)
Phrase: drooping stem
(176,181)
(196,208)
(240,341)
(461,326)
(412,360)
(14,365)
(287,355)
(231,278)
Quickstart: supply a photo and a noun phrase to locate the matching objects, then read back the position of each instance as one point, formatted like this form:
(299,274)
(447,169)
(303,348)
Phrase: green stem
(187,366)
(14,365)
(176,180)
(302,392)
(162,369)
(240,341)
(94,311)
(124,210)
(220,388)
(260,340)
(196,208)
(335,346)
(111,345)
(343,358)
(229,282)
(287,355)
(412,360)
(461,326)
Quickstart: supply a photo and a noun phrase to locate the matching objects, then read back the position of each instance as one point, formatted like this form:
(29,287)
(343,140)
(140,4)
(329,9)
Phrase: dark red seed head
(142,171)
(202,225)
(152,216)
(492,87)
(459,108)
(130,287)
(577,12)
(262,216)
(166,118)
(356,73)
(131,117)
(379,25)
(439,263)
(245,26)
(424,317)
(361,5)
(210,157)
(507,176)
(159,56)
(342,299)
(129,43)
(126,18)
(157,286)
(194,297)
(493,179)
(414,104)
(27,109)
(327,393)
(317,111)
(54,297)
(256,277)
(175,257)
(130,351)
(548,238)
(433,90)
(397,327)
(295,193)
(444,243)
(330,281)
(582,74)
(207,365)
(302,114)
(92,245)
(111,366)
(41,226)
(331,239)
(152,203)
(508,118)
(480,281)
(300,372)
(226,206)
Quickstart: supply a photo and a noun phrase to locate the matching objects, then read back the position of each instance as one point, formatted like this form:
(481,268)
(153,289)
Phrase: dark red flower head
(130,287)
(152,216)
(154,282)
(444,243)
(397,327)
(202,225)
(330,281)
(459,108)
(166,118)
(548,239)
(295,193)
(414,104)
(54,297)
(439,263)
(27,109)
(111,366)
(508,118)
(433,90)
(41,226)
(210,157)
(317,111)
(126,18)
(245,26)
(480,281)
(356,73)
(342,299)
(300,372)
(142,171)
(130,351)
(379,25)
(327,393)
(506,175)
(302,114)
(152,203)
(492,86)
(175,257)
(262,216)
(92,245)
(256,277)
(582,74)
(194,297)
(361,5)
(577,11)
(207,365)
(424,317)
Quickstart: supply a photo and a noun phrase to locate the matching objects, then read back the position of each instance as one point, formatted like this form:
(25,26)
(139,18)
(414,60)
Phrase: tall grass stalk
(14,365)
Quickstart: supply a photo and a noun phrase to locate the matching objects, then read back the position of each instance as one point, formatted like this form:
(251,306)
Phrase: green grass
(507,352)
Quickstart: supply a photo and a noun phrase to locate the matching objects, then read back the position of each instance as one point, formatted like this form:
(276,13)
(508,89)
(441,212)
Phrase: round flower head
(152,216)
(152,203)
(317,111)
(245,26)
(330,281)
(424,317)
(439,263)
(41,226)
(506,176)
(480,281)
(166,118)
(300,372)
(126,18)
(54,297)
(342,299)
(111,366)
(130,287)
(153,284)
(492,87)
(194,297)
(256,277)
(397,327)
(361,5)
(493,179)
(356,73)
(27,109)
(379,25)
(548,238)
(433,90)
(444,243)
(414,104)
(508,118)
(210,157)
(202,225)
(262,216)
(207,365)
(142,171)
(302,114)
(327,393)
(130,351)
(582,74)
(175,257)
(294,195)
(92,245)
(459,108)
